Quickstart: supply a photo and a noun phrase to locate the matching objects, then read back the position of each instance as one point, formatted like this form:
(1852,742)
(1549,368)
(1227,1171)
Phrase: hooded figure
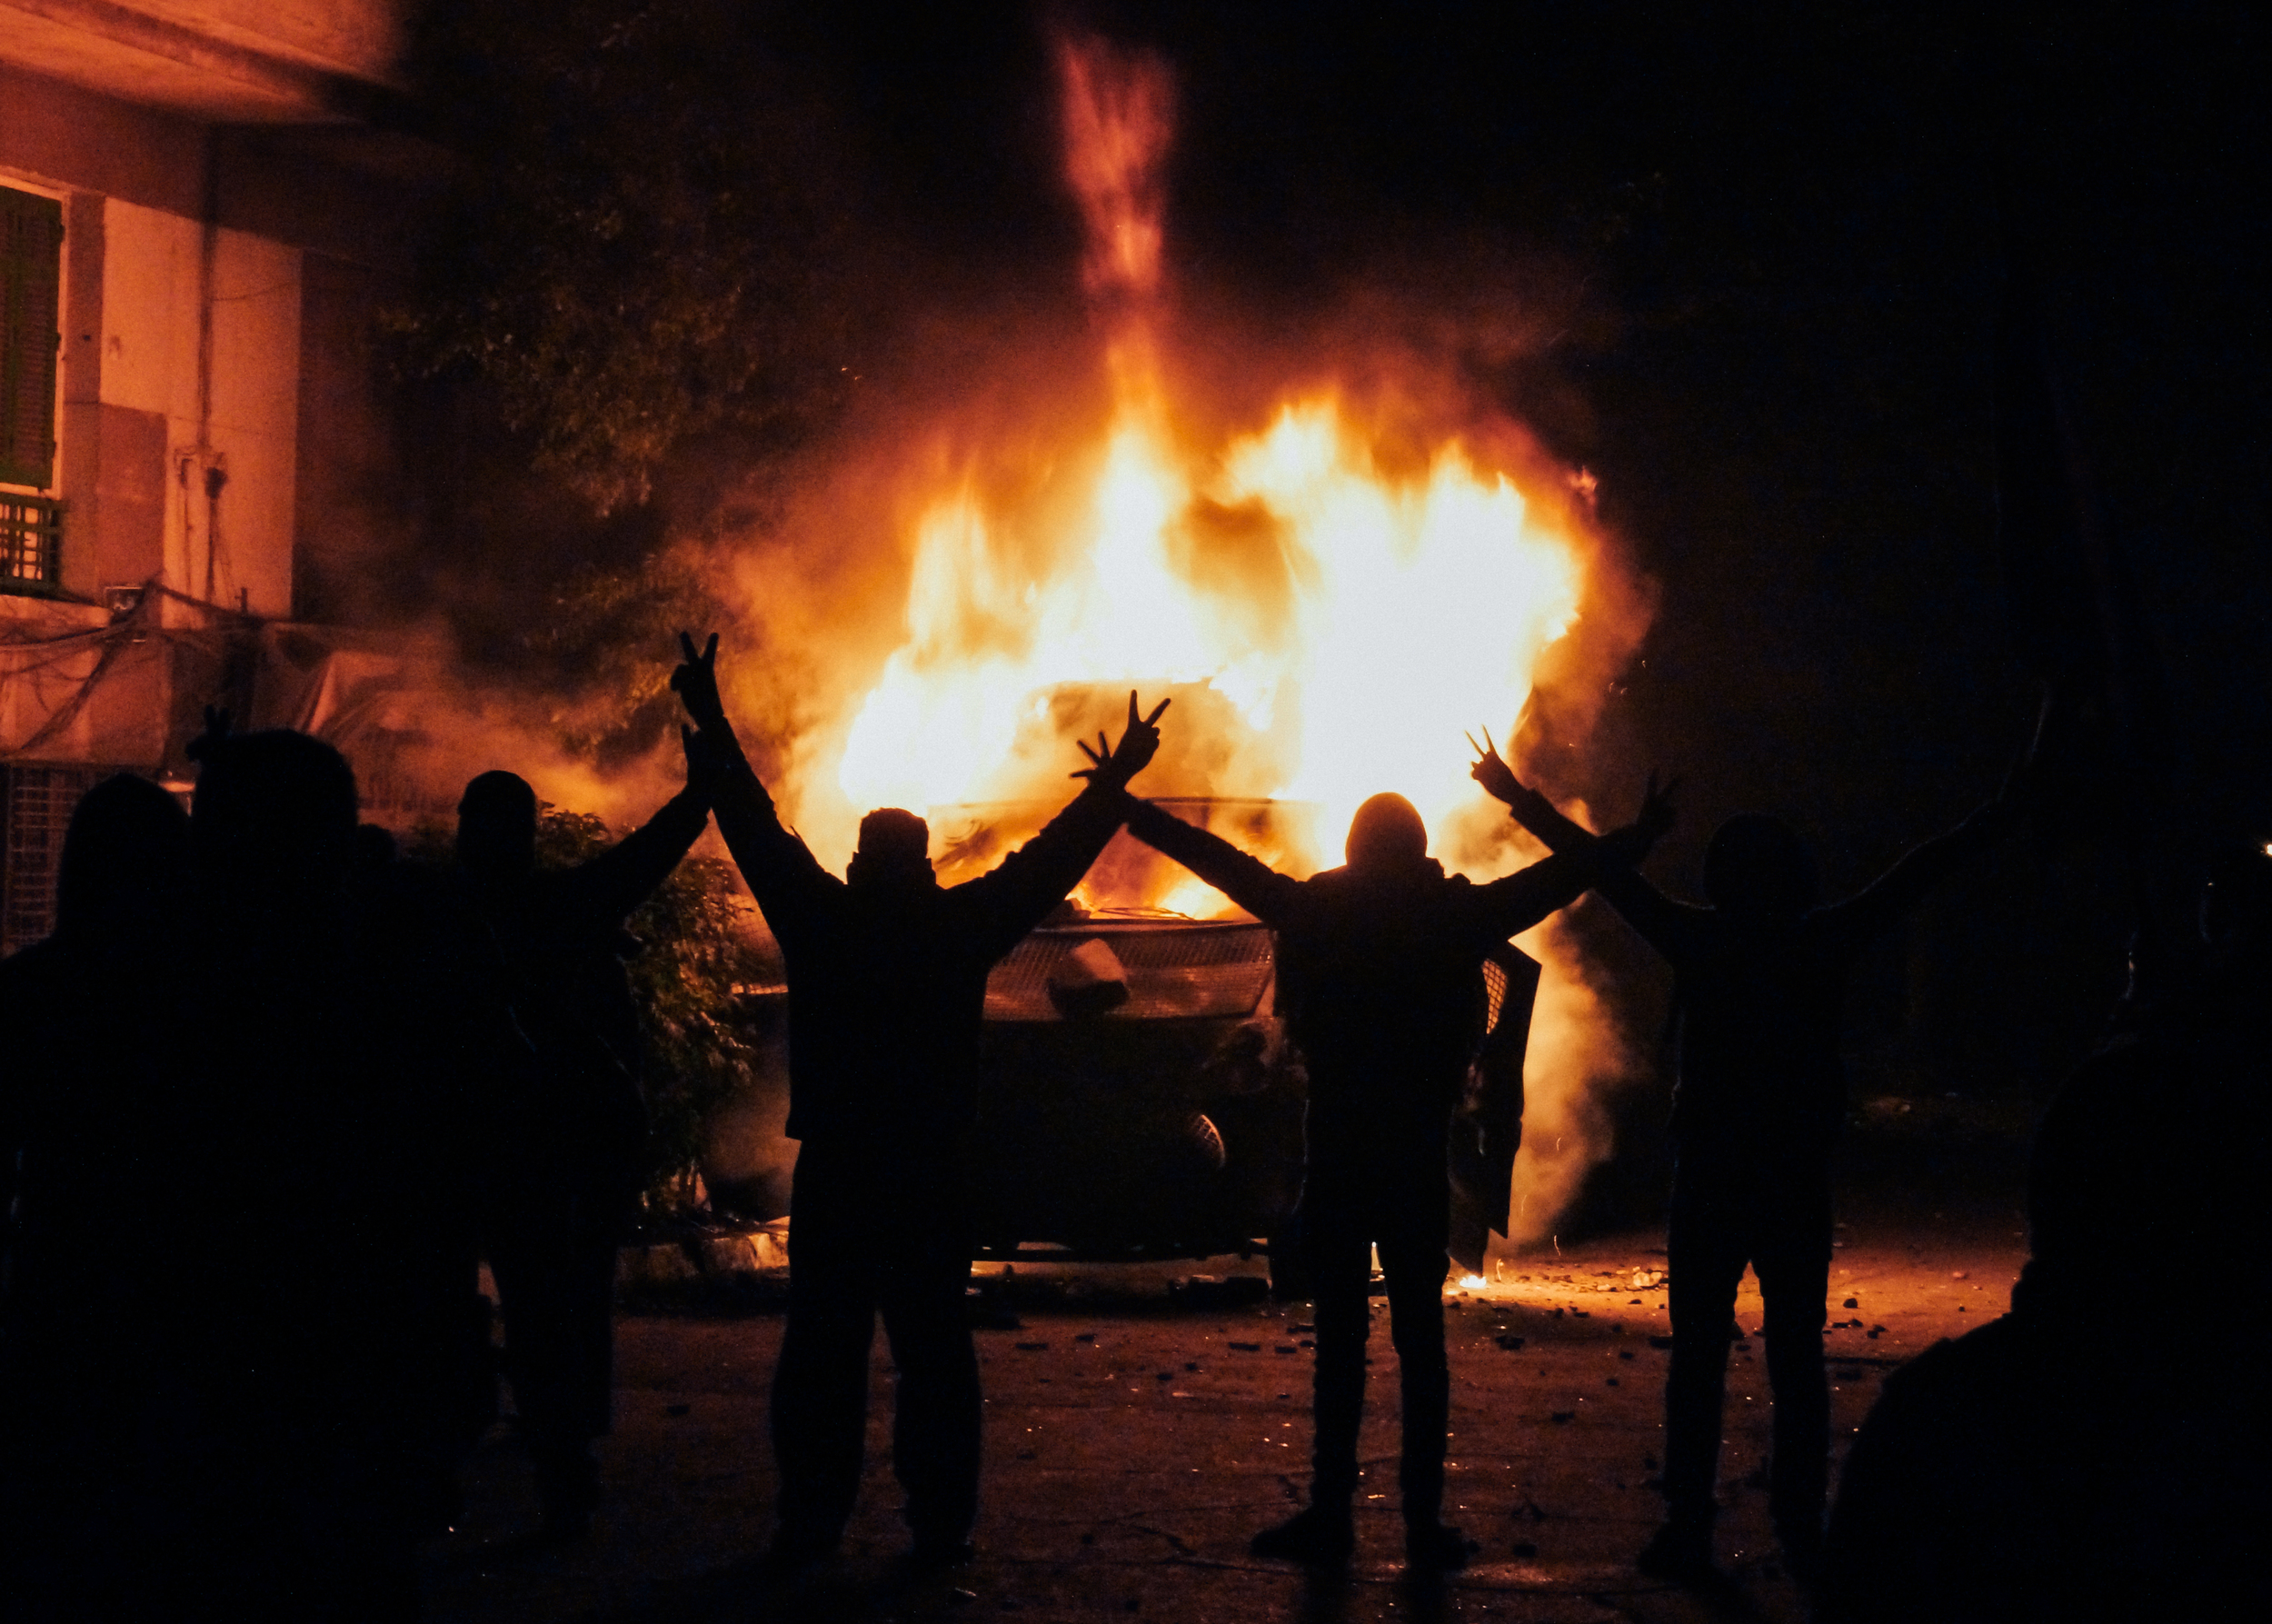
(887,991)
(1380,981)
(569,1156)
(1757,982)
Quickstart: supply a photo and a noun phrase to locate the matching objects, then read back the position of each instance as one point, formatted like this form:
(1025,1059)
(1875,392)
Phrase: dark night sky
(1785,220)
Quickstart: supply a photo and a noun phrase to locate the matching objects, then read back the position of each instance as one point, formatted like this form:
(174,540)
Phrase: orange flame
(1334,589)
(1353,624)
(1414,611)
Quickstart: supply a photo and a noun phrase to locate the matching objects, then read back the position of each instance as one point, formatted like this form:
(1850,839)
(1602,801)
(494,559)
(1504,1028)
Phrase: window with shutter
(31,280)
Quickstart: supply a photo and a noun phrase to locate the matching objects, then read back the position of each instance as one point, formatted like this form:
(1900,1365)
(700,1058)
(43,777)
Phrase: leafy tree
(695,1060)
(597,653)
(646,238)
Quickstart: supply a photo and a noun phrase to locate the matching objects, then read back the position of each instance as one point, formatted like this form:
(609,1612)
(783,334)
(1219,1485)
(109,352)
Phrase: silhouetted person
(340,1036)
(84,1120)
(1381,981)
(2098,1452)
(564,1188)
(376,851)
(887,989)
(1758,982)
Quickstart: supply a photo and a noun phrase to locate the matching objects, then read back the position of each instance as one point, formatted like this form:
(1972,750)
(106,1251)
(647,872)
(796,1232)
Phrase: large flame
(1336,588)
(1353,623)
(1416,610)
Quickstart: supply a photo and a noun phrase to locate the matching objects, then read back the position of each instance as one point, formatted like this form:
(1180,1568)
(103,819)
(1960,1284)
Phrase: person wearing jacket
(1757,982)
(887,986)
(564,1188)
(1380,980)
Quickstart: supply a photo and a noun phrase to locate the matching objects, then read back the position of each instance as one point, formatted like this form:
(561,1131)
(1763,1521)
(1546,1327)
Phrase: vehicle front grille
(1176,969)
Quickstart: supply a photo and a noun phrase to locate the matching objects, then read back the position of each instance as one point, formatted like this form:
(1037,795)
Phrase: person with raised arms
(1381,981)
(887,989)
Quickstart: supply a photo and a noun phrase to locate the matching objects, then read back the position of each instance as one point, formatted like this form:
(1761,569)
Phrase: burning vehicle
(1141,1097)
(1336,562)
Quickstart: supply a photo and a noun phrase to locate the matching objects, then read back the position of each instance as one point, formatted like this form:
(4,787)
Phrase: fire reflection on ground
(1138,1434)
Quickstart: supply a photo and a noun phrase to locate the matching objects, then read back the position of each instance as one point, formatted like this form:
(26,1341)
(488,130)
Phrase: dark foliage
(645,243)
(599,638)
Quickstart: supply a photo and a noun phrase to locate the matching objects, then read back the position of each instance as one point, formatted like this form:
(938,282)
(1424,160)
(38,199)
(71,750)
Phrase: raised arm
(1901,887)
(1661,921)
(1262,891)
(1032,879)
(1520,900)
(787,880)
(612,884)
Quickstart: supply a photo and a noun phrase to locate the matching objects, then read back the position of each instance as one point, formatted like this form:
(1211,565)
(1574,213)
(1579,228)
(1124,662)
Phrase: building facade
(204,203)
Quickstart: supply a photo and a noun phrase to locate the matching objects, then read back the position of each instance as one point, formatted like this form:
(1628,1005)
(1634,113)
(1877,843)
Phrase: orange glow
(1336,561)
(1337,626)
(1418,609)
(1117,123)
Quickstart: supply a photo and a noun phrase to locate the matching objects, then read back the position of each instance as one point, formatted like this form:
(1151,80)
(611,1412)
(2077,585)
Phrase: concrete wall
(194,255)
(280,61)
(362,38)
(358,514)
(183,435)
(181,406)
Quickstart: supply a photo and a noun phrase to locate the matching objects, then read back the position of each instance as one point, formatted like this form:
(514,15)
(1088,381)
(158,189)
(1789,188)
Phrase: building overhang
(218,61)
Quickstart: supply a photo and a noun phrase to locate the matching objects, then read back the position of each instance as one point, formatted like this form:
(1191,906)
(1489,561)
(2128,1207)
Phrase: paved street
(1139,1429)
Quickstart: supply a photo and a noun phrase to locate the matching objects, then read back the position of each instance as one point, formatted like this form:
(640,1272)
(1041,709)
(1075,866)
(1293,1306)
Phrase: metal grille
(1495,985)
(1175,970)
(40,798)
(31,544)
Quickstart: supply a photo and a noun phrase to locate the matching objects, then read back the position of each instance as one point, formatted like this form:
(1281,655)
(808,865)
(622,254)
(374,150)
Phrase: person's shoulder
(29,979)
(419,891)
(1328,887)
(1972,1366)
(42,958)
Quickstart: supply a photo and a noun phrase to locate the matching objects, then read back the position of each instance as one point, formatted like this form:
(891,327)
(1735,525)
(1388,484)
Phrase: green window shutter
(31,281)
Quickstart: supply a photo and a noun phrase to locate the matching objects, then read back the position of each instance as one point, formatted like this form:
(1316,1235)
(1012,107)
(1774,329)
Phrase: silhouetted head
(1757,864)
(125,860)
(274,823)
(1386,833)
(496,828)
(894,849)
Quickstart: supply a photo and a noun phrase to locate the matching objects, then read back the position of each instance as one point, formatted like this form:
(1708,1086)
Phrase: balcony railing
(31,544)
